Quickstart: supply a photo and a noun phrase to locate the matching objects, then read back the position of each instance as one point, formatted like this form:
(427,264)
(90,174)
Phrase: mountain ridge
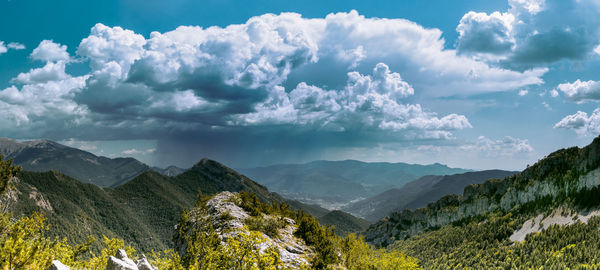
(418,193)
(567,176)
(45,155)
(336,183)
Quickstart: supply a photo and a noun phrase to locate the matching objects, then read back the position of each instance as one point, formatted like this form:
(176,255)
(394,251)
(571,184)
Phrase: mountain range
(142,211)
(333,184)
(418,193)
(567,181)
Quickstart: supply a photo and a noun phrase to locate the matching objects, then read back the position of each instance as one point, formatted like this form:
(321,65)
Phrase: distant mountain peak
(44,155)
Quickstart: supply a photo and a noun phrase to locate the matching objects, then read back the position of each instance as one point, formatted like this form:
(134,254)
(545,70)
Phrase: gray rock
(57,265)
(120,262)
(143,264)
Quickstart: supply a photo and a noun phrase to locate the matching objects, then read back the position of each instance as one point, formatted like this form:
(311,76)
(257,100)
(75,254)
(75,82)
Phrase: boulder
(120,262)
(143,264)
(57,265)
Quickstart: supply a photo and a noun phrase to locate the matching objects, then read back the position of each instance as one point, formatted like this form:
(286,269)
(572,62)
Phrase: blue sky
(474,84)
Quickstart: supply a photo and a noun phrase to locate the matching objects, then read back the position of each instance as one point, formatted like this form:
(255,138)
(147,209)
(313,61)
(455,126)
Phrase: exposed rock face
(118,262)
(559,216)
(228,219)
(57,265)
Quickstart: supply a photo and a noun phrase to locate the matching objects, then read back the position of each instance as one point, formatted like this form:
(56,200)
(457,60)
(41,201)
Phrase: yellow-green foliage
(359,255)
(240,250)
(24,246)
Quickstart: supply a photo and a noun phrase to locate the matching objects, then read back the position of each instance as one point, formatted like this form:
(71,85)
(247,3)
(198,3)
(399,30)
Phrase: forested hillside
(545,216)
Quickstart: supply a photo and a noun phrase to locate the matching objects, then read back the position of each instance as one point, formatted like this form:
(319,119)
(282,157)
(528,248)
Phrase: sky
(471,84)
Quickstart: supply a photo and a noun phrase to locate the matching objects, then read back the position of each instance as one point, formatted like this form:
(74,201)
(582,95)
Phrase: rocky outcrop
(559,216)
(118,262)
(57,265)
(228,219)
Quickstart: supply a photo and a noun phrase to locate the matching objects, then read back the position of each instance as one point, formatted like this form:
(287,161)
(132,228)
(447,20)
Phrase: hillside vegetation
(142,211)
(479,229)
(418,193)
(44,155)
(226,231)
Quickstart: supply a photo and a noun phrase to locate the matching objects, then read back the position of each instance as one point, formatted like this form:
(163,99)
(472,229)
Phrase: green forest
(24,244)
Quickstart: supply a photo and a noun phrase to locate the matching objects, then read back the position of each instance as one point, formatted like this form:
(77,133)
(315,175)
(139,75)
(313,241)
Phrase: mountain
(333,184)
(547,216)
(44,155)
(169,171)
(418,193)
(142,211)
(344,223)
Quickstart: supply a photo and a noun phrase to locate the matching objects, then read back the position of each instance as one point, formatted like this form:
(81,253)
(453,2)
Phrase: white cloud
(506,146)
(582,123)
(15,46)
(10,46)
(547,106)
(554,93)
(531,6)
(523,92)
(82,145)
(529,34)
(3,48)
(134,151)
(48,51)
(372,101)
(273,70)
(52,71)
(581,91)
(482,33)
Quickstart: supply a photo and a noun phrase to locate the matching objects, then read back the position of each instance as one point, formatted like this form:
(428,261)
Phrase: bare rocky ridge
(293,252)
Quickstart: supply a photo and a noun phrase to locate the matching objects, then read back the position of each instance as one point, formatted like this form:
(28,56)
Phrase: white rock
(143,264)
(120,262)
(57,265)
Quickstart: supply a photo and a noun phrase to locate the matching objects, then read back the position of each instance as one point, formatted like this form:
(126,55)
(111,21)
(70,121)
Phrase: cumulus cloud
(483,33)
(342,76)
(554,93)
(523,92)
(529,35)
(47,51)
(371,101)
(3,48)
(50,72)
(582,123)
(581,91)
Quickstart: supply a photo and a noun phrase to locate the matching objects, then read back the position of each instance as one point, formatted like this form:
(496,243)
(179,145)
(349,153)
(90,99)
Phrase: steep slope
(344,223)
(419,193)
(142,211)
(566,178)
(336,183)
(44,155)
